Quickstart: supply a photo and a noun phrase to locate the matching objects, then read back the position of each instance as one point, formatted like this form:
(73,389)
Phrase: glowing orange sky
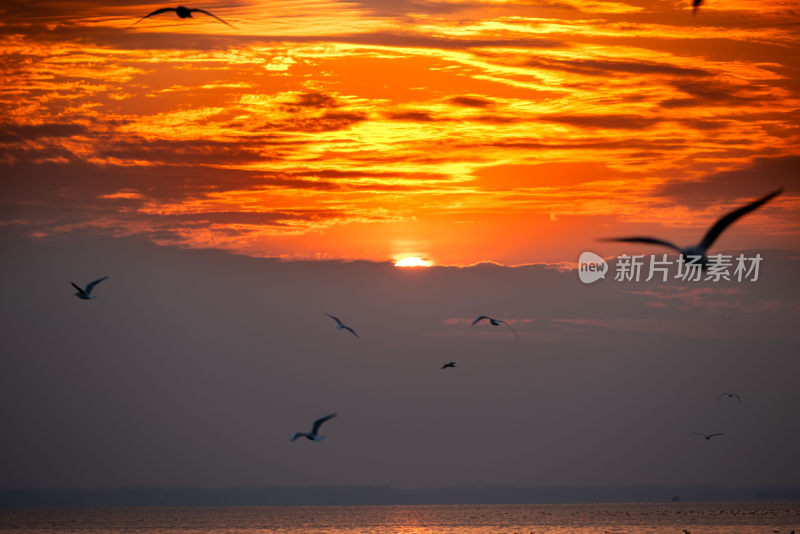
(455,131)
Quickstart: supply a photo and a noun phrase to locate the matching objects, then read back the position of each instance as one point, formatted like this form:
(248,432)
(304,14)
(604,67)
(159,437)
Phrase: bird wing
(639,239)
(721,395)
(717,434)
(318,422)
(509,327)
(156,12)
(728,219)
(479,319)
(335,319)
(210,15)
(738,398)
(699,434)
(297,435)
(77,287)
(91,285)
(351,331)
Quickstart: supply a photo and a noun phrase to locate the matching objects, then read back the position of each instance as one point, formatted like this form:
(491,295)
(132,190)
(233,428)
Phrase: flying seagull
(696,5)
(182,12)
(494,322)
(341,326)
(712,234)
(449,364)
(730,396)
(86,294)
(313,436)
(708,436)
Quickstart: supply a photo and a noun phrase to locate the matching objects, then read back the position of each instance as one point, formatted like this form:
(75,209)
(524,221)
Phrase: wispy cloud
(386,116)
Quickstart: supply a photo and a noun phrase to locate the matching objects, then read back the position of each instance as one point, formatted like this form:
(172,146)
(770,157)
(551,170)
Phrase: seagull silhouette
(449,364)
(696,5)
(341,326)
(86,294)
(182,12)
(494,322)
(709,436)
(730,395)
(313,436)
(711,236)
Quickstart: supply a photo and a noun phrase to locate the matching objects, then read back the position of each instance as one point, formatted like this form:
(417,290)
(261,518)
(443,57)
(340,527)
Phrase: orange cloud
(470,131)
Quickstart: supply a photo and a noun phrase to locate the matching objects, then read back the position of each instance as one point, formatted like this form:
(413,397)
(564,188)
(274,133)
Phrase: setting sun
(412,262)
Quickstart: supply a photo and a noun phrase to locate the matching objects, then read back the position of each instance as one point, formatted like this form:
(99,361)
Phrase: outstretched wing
(318,422)
(726,394)
(639,239)
(479,319)
(717,434)
(80,290)
(340,323)
(210,15)
(298,435)
(156,12)
(91,285)
(509,327)
(727,220)
(345,327)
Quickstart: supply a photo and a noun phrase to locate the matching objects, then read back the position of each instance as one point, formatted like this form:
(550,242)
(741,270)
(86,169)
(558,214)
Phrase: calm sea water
(716,518)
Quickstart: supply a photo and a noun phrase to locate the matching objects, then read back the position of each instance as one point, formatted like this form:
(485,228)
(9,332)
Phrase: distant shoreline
(151,496)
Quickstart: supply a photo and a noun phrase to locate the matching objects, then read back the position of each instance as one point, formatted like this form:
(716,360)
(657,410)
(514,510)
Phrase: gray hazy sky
(195,367)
